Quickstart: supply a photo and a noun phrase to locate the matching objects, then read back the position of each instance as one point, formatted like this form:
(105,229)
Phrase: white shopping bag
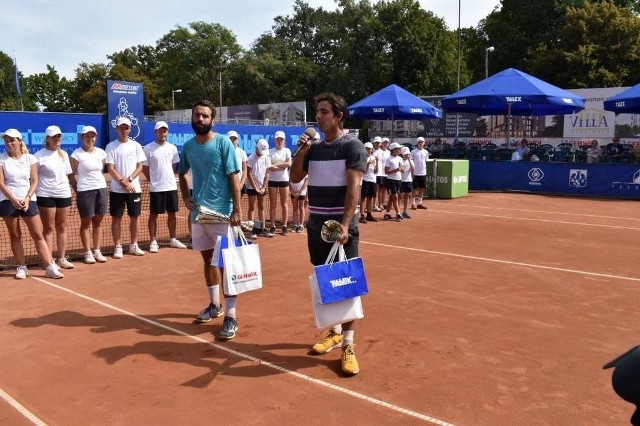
(242,266)
(331,314)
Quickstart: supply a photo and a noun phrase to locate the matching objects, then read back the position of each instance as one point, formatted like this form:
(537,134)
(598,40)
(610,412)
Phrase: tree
(88,90)
(190,59)
(598,47)
(9,99)
(48,90)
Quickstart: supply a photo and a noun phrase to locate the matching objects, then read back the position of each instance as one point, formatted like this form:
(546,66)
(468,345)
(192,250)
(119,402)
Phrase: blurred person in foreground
(335,167)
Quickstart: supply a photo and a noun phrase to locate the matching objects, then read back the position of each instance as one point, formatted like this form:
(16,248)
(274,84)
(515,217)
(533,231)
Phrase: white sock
(230,305)
(347,337)
(214,294)
(337,329)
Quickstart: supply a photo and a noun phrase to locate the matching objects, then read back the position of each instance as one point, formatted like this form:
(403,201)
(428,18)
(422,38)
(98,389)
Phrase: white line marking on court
(337,388)
(538,220)
(533,211)
(505,262)
(21,409)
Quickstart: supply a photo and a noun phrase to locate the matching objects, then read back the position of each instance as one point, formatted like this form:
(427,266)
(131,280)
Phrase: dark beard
(201,129)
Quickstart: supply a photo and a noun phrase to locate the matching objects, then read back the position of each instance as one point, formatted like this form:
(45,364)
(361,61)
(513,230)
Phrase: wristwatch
(129,179)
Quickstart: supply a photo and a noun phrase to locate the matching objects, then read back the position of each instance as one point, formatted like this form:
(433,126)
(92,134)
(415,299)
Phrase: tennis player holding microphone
(335,167)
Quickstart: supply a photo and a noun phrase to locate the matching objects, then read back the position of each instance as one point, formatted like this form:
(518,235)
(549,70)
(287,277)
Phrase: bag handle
(338,249)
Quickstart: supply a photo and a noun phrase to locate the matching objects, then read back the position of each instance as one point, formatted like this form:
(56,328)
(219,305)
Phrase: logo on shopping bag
(241,278)
(342,281)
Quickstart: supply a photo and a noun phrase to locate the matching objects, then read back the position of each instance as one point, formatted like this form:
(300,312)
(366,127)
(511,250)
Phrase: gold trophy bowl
(205,215)
(331,231)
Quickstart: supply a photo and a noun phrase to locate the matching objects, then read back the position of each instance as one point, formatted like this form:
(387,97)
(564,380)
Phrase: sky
(64,33)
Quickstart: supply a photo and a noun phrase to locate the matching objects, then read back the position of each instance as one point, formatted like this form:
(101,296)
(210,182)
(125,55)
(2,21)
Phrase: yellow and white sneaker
(349,362)
(329,341)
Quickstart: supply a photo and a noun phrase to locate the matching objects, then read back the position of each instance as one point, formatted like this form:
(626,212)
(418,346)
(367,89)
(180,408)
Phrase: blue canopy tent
(393,103)
(513,92)
(625,102)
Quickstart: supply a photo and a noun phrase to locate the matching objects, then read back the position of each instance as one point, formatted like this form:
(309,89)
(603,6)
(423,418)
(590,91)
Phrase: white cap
(368,145)
(385,139)
(123,120)
(279,134)
(232,134)
(12,133)
(87,129)
(394,146)
(377,139)
(405,151)
(420,139)
(262,145)
(52,131)
(161,125)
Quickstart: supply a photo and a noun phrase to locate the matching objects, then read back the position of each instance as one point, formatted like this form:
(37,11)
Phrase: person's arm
(244,174)
(265,182)
(297,172)
(375,168)
(185,191)
(17,203)
(145,172)
(136,172)
(236,214)
(74,171)
(351,199)
(33,180)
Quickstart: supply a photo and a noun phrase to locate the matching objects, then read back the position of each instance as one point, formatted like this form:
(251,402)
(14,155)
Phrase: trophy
(331,231)
(206,215)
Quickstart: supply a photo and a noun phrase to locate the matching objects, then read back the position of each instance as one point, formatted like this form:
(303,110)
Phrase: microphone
(311,132)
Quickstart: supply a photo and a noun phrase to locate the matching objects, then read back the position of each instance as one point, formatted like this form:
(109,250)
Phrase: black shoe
(370,218)
(285,230)
(387,216)
(398,218)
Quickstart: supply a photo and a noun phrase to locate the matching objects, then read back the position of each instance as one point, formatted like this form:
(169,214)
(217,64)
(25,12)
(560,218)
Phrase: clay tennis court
(493,309)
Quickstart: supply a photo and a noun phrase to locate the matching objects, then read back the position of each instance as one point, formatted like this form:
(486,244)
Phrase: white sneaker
(175,243)
(135,250)
(21,272)
(88,258)
(117,252)
(65,264)
(154,247)
(52,271)
(99,257)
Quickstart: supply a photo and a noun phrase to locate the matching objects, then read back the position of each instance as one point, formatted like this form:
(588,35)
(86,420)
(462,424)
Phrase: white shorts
(203,237)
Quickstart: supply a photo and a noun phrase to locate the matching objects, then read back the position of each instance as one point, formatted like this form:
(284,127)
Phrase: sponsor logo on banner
(378,110)
(131,89)
(416,110)
(634,184)
(535,176)
(459,179)
(514,98)
(567,100)
(461,101)
(342,281)
(577,178)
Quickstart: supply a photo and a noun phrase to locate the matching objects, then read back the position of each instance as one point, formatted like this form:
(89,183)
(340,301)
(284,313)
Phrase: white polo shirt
(90,165)
(420,157)
(279,156)
(17,175)
(52,174)
(160,159)
(124,156)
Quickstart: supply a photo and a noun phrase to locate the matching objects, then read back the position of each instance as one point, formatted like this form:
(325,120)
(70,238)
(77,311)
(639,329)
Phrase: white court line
(538,220)
(533,211)
(506,262)
(21,409)
(331,386)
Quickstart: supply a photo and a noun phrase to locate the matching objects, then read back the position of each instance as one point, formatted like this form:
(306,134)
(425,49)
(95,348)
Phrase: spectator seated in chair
(594,153)
(615,151)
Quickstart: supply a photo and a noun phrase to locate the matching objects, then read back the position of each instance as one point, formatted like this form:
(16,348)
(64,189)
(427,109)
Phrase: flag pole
(15,69)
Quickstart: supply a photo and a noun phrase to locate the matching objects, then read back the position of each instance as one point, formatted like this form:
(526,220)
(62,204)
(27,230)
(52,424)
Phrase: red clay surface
(493,309)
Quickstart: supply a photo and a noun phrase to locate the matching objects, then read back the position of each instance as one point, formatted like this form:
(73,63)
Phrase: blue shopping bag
(341,280)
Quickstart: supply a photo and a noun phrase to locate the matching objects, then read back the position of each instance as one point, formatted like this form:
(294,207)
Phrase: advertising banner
(125,99)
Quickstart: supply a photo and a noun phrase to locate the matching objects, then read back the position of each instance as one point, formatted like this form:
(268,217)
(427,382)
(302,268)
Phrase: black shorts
(318,249)
(163,201)
(118,201)
(277,184)
(393,186)
(253,193)
(419,182)
(243,190)
(92,202)
(51,202)
(299,197)
(406,187)
(368,189)
(8,210)
(380,180)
